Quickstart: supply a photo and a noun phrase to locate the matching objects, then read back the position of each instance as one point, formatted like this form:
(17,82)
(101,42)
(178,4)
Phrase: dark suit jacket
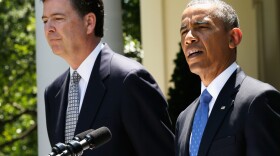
(122,96)
(249,124)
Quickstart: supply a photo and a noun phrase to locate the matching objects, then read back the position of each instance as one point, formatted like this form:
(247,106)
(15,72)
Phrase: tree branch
(15,117)
(22,136)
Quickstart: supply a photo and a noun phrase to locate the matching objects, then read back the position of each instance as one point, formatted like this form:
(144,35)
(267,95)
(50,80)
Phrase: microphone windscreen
(99,137)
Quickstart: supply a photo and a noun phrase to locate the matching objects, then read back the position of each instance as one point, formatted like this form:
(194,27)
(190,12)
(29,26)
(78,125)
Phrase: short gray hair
(223,11)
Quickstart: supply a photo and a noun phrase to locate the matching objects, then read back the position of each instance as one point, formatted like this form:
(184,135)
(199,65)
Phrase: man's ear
(235,37)
(90,22)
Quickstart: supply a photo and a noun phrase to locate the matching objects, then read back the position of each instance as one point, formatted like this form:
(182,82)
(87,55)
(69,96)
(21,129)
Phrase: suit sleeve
(178,141)
(145,116)
(48,117)
(263,125)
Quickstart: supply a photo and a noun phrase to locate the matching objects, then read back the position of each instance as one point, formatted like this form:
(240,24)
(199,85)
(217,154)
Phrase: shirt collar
(88,63)
(218,83)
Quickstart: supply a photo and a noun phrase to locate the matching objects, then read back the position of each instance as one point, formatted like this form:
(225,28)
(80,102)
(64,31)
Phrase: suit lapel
(221,107)
(187,128)
(95,91)
(61,104)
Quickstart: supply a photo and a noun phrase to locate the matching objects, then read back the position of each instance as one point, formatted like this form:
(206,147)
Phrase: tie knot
(75,77)
(205,97)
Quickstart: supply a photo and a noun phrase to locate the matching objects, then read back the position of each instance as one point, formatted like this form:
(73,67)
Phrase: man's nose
(190,38)
(49,27)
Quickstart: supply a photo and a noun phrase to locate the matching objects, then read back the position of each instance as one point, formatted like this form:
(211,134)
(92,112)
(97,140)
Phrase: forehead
(57,1)
(57,4)
(57,7)
(198,12)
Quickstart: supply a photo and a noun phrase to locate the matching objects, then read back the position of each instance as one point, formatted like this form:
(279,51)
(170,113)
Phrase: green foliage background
(132,29)
(18,128)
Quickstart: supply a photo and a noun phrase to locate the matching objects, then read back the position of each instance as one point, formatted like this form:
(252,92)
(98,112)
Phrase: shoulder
(256,84)
(124,63)
(121,66)
(258,96)
(185,113)
(252,87)
(58,82)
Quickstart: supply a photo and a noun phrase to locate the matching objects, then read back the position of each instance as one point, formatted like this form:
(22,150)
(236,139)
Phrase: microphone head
(82,135)
(57,149)
(98,137)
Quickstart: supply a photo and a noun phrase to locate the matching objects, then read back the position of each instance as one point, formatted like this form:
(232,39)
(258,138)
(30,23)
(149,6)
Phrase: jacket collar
(95,90)
(221,107)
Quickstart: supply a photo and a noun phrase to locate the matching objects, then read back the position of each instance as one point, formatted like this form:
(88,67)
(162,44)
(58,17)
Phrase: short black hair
(84,7)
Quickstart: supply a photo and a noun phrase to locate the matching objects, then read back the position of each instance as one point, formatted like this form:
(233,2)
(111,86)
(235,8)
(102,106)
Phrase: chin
(56,50)
(195,68)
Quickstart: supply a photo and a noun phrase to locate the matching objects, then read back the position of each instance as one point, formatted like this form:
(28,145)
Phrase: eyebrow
(183,27)
(196,23)
(55,14)
(201,22)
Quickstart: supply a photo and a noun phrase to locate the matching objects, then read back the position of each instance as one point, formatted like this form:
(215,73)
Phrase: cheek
(182,41)
(45,30)
(183,46)
(67,33)
(215,53)
(211,44)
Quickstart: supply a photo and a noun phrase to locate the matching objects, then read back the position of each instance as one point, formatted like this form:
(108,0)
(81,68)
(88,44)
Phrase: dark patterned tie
(73,107)
(199,123)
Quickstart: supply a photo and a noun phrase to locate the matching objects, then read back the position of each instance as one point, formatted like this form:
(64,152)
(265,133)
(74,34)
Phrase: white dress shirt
(84,71)
(217,84)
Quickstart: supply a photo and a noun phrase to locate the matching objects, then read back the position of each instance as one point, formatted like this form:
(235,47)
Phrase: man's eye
(45,21)
(203,27)
(184,32)
(58,19)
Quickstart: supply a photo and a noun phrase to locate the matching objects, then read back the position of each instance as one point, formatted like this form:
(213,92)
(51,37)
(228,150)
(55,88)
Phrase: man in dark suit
(113,91)
(242,113)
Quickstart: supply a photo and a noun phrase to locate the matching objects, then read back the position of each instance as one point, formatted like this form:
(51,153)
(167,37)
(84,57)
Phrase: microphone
(57,149)
(82,135)
(91,141)
(60,147)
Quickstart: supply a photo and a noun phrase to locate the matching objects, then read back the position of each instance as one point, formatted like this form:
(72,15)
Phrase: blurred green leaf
(132,29)
(18,132)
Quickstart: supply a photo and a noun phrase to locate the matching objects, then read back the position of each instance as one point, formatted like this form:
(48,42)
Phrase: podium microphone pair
(89,139)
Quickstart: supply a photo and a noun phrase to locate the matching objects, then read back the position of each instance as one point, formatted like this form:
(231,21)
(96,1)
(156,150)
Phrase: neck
(77,59)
